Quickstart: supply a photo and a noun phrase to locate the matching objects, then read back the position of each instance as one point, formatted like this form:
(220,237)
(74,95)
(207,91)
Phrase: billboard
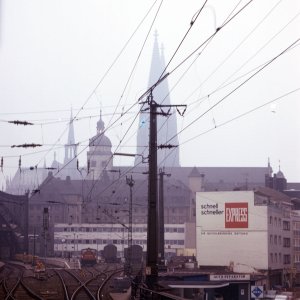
(231,228)
(236,215)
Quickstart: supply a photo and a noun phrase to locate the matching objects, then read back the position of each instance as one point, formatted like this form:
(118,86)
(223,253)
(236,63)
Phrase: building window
(279,240)
(286,242)
(296,258)
(271,239)
(275,221)
(297,226)
(275,240)
(275,257)
(271,256)
(286,225)
(286,259)
(271,220)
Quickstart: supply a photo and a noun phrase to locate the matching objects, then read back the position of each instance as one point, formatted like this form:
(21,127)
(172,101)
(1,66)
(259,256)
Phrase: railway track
(88,283)
(13,285)
(17,282)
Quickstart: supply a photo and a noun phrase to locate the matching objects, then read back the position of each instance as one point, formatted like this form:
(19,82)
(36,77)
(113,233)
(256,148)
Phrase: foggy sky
(53,54)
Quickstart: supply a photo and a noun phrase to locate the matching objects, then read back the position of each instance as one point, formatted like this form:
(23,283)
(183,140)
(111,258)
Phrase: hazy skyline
(54,54)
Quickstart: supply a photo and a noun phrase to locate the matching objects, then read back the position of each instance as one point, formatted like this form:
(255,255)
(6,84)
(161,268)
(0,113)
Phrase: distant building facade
(107,202)
(13,225)
(247,230)
(70,239)
(99,156)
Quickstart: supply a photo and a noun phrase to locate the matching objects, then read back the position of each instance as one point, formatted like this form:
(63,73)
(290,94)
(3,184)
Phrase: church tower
(70,147)
(166,126)
(99,154)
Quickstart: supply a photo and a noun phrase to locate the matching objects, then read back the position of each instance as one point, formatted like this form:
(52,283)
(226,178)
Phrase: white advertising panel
(231,229)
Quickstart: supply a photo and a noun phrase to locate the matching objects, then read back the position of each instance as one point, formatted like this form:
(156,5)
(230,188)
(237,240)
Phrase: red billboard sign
(236,215)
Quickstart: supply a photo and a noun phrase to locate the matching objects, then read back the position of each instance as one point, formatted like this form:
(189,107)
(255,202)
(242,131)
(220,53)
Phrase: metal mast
(152,230)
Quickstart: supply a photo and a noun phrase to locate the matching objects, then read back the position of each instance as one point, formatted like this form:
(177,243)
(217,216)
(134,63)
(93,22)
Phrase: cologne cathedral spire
(70,147)
(166,126)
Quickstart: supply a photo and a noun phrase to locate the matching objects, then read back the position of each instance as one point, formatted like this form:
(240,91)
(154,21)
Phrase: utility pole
(45,228)
(152,228)
(130,182)
(161,220)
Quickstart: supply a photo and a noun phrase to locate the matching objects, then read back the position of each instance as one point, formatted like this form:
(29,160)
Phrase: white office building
(248,231)
(70,239)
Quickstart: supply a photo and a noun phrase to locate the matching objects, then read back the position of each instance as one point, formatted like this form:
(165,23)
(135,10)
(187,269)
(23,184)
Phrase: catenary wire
(238,87)
(105,130)
(235,49)
(108,70)
(240,116)
(135,64)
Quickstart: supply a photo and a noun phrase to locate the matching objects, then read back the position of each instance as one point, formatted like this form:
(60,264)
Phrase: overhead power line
(236,118)
(243,115)
(206,42)
(236,88)
(210,37)
(192,22)
(234,50)
(106,72)
(63,167)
